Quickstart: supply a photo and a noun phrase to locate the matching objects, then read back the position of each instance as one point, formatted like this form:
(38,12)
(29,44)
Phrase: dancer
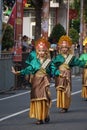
(40,95)
(64,61)
(83,57)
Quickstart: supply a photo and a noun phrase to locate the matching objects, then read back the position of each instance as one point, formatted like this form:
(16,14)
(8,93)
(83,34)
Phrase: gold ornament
(65,38)
(85,42)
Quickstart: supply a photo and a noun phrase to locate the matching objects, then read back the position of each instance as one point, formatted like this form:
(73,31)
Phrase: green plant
(57,31)
(76,24)
(8,36)
(74,35)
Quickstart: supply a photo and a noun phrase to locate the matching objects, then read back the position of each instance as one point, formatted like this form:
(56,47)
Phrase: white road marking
(76,92)
(15,114)
(14,95)
(23,111)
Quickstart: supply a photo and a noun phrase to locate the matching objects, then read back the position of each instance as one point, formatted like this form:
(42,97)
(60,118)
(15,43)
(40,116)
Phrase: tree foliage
(75,23)
(57,31)
(8,37)
(74,35)
(37,3)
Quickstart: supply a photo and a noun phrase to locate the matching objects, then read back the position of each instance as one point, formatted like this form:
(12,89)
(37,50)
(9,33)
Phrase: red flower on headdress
(42,43)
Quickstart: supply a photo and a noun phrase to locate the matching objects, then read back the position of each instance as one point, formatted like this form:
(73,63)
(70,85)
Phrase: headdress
(42,43)
(65,41)
(85,42)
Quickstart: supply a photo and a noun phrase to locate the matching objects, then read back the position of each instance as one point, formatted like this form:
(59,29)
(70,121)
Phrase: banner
(73,14)
(19,20)
(18,30)
(17,53)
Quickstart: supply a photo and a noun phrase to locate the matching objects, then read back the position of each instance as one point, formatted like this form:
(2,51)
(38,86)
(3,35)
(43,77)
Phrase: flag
(12,17)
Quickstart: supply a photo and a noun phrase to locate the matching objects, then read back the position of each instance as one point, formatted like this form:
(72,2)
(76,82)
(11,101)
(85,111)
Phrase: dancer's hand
(14,72)
(62,75)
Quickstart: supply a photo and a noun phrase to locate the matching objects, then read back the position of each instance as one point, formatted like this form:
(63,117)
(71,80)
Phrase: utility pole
(1,4)
(81,27)
(67,17)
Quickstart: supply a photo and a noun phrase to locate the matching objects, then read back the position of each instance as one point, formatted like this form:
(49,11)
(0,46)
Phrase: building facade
(58,14)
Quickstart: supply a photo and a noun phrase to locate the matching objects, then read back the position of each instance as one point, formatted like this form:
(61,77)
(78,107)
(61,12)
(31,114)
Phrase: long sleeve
(54,70)
(33,66)
(83,57)
(56,62)
(27,70)
(31,56)
(77,62)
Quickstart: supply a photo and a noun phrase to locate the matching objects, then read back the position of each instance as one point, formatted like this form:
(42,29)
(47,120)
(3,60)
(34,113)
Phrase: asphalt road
(14,109)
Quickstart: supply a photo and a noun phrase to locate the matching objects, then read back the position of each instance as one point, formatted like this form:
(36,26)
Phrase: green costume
(83,58)
(33,66)
(40,94)
(63,81)
(59,60)
(30,57)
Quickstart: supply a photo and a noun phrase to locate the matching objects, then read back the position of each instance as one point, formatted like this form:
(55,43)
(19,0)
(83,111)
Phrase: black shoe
(39,122)
(47,119)
(64,110)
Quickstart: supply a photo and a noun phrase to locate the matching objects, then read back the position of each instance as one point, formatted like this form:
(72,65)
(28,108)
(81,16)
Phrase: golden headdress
(42,43)
(65,41)
(85,42)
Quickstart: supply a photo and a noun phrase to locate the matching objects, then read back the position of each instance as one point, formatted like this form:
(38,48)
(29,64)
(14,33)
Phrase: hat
(42,43)
(85,42)
(65,41)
